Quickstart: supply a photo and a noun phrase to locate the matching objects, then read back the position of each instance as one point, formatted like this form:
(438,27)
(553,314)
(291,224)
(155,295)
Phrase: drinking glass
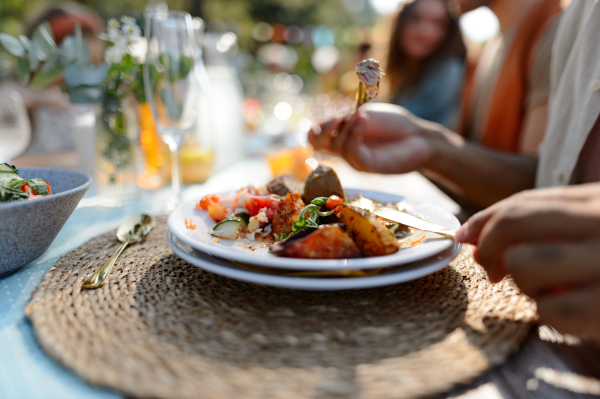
(171,86)
(15,129)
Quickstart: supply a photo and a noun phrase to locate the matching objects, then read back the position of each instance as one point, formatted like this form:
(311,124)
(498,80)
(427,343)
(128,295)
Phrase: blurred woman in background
(426,61)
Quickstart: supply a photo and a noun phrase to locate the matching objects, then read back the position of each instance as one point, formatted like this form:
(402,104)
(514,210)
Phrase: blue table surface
(26,372)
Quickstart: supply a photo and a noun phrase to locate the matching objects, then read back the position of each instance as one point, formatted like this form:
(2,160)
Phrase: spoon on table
(133,229)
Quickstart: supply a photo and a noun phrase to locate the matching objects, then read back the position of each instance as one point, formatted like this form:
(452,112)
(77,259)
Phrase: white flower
(124,43)
(112,36)
(131,31)
(112,24)
(113,55)
(127,20)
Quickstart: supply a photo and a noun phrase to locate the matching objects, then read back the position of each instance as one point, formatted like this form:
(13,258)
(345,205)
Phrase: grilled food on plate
(312,220)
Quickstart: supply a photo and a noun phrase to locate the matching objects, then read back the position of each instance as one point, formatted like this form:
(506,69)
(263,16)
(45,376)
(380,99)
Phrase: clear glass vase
(116,140)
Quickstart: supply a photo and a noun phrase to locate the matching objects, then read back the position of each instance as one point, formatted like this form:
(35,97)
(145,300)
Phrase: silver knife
(412,221)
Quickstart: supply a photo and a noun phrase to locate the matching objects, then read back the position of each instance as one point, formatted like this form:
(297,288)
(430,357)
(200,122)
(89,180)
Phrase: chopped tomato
(26,188)
(254,204)
(207,200)
(217,212)
(334,201)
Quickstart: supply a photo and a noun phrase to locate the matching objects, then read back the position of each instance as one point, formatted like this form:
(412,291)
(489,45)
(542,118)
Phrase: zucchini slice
(244,218)
(228,229)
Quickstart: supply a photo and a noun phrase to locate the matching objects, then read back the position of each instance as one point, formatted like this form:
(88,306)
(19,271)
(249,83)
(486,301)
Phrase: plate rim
(320,264)
(429,266)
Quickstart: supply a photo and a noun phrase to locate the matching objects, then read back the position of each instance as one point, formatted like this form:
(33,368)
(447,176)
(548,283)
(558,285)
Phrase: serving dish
(257,253)
(395,276)
(28,228)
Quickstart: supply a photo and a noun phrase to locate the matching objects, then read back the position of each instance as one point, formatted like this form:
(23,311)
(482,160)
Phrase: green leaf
(84,94)
(185,66)
(51,63)
(11,195)
(33,55)
(75,75)
(79,42)
(283,236)
(39,186)
(67,51)
(23,71)
(325,213)
(16,183)
(71,52)
(320,201)
(6,168)
(46,78)
(44,41)
(12,45)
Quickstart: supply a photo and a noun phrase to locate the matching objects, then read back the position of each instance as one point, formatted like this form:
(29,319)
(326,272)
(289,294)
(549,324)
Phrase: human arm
(33,98)
(384,138)
(549,241)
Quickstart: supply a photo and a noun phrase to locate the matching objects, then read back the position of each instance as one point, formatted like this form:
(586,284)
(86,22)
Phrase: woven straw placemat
(161,327)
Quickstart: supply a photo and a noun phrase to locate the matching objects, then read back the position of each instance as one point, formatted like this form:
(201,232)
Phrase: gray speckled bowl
(27,228)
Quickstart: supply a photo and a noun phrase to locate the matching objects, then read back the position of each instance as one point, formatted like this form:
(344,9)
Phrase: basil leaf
(323,214)
(39,186)
(319,201)
(299,225)
(11,195)
(16,184)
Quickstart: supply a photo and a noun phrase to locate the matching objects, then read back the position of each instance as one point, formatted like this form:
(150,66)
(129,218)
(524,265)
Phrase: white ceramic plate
(228,269)
(240,251)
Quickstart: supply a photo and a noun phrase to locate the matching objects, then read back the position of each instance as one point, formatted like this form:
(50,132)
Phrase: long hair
(400,73)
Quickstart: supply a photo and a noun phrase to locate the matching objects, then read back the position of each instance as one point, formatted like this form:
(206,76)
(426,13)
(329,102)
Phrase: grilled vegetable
(322,182)
(371,236)
(284,184)
(326,242)
(287,214)
(228,229)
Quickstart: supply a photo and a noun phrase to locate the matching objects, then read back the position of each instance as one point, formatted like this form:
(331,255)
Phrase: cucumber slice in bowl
(228,229)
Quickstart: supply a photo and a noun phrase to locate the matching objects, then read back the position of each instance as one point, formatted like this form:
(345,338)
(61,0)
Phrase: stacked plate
(251,261)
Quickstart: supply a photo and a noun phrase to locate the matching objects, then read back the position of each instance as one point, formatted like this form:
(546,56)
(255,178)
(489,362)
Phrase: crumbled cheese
(216,240)
(256,222)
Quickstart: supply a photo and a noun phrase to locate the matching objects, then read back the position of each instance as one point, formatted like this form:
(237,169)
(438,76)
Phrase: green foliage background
(16,14)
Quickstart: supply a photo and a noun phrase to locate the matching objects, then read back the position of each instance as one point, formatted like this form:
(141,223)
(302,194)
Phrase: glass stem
(175,171)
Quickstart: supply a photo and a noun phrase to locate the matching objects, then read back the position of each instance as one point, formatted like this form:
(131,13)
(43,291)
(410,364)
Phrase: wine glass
(170,85)
(15,129)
